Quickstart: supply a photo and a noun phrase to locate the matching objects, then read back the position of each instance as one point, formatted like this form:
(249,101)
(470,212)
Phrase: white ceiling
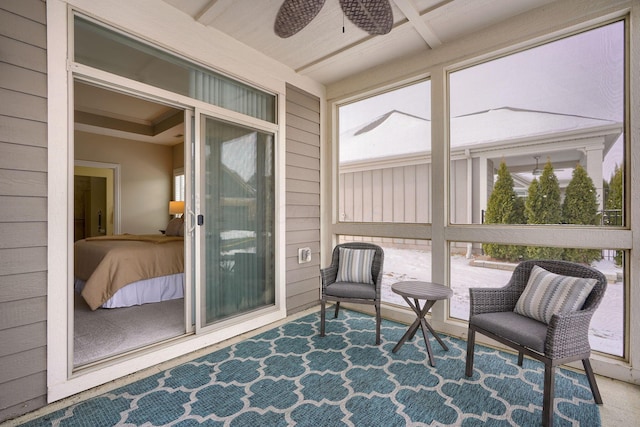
(107,112)
(324,53)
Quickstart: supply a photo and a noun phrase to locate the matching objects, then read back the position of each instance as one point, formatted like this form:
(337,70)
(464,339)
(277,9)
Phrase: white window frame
(442,233)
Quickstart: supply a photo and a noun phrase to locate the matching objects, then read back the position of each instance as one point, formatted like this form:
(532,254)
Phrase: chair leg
(549,393)
(592,381)
(337,309)
(323,305)
(520,358)
(471,342)
(378,321)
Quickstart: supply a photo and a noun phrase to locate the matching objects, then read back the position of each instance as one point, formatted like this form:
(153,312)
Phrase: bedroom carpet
(290,376)
(108,332)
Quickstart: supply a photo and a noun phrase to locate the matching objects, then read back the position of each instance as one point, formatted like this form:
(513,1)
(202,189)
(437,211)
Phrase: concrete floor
(621,405)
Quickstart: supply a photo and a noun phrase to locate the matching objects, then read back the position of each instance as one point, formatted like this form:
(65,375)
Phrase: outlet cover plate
(304,255)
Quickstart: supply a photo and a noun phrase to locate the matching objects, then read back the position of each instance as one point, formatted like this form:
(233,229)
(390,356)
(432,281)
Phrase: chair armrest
(491,300)
(328,275)
(568,335)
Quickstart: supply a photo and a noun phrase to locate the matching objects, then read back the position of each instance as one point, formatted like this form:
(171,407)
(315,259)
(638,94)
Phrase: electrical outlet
(304,255)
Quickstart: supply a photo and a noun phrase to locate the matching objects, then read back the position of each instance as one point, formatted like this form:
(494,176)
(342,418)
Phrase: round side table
(430,293)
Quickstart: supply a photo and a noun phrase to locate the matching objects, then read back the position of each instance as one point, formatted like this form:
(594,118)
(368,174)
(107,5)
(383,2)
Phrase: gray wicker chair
(359,293)
(564,339)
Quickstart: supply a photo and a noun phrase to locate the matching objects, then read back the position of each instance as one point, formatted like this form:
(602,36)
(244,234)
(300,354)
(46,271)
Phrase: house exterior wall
(23,206)
(302,198)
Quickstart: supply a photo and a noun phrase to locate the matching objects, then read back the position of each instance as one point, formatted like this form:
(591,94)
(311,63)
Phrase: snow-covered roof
(396,133)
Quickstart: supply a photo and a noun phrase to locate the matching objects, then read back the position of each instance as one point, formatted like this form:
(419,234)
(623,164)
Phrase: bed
(127,270)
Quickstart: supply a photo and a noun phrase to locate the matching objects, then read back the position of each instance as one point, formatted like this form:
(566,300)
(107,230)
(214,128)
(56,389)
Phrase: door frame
(200,116)
(62,380)
(116,187)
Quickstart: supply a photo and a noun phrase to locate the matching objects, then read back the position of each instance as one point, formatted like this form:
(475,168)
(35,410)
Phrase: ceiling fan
(373,16)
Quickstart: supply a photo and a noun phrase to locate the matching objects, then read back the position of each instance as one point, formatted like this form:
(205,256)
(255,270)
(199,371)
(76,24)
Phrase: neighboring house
(397,146)
(37,73)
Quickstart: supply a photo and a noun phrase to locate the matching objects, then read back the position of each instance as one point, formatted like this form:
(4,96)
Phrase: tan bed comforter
(108,263)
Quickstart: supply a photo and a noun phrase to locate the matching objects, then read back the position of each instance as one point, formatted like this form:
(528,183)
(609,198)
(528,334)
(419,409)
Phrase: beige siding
(302,198)
(23,206)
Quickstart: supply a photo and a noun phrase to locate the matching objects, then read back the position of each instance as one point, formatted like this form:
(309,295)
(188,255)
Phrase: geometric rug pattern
(289,376)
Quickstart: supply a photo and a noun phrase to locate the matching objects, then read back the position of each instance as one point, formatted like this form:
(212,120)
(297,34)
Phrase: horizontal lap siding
(302,198)
(23,207)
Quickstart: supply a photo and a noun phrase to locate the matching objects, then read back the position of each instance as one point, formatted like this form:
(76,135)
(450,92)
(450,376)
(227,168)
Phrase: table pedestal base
(424,325)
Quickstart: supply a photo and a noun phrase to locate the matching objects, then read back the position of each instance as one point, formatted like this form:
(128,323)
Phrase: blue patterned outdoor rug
(290,376)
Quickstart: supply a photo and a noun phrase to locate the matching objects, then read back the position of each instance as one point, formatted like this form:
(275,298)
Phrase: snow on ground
(607,324)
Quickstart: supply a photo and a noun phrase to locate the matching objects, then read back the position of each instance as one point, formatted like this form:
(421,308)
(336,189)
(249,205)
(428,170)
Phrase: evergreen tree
(614,198)
(580,206)
(504,207)
(605,192)
(543,206)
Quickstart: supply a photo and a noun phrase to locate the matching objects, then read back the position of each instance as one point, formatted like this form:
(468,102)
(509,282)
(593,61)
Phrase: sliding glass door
(236,220)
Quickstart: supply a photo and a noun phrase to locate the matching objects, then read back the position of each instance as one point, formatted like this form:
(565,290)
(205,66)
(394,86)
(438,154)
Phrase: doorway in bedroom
(93,193)
(126,150)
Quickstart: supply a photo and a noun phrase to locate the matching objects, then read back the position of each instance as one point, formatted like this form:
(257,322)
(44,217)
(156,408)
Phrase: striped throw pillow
(355,265)
(548,293)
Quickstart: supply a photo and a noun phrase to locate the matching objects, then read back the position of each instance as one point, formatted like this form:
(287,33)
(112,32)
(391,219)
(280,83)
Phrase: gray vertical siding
(365,194)
(399,194)
(23,206)
(302,198)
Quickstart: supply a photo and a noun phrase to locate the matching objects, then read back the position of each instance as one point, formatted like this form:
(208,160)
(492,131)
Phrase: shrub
(580,206)
(543,207)
(504,207)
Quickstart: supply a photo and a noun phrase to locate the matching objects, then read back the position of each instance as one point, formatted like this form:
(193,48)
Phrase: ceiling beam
(408,8)
(96,120)
(206,15)
(167,123)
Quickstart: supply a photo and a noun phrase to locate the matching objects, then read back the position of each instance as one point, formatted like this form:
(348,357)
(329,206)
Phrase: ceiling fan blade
(294,15)
(373,16)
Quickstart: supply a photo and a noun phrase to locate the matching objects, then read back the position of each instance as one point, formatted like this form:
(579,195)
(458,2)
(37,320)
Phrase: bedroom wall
(23,207)
(146,172)
(178,155)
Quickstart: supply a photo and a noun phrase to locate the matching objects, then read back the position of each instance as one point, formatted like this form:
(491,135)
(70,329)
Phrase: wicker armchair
(360,293)
(564,339)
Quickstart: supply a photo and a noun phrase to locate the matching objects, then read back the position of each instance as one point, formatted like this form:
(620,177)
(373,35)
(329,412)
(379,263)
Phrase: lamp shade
(176,208)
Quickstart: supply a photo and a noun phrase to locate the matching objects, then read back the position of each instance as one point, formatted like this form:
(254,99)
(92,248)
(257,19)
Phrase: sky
(580,75)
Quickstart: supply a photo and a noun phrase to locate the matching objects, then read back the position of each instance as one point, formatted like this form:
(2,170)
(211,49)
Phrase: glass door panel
(237,220)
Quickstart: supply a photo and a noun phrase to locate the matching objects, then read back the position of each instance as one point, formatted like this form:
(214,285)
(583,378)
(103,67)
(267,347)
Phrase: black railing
(608,217)
(612,217)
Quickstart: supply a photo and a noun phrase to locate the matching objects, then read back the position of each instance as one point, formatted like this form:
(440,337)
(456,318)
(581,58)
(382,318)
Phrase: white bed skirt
(144,291)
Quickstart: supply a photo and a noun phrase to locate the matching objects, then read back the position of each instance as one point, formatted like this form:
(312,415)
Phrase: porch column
(467,154)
